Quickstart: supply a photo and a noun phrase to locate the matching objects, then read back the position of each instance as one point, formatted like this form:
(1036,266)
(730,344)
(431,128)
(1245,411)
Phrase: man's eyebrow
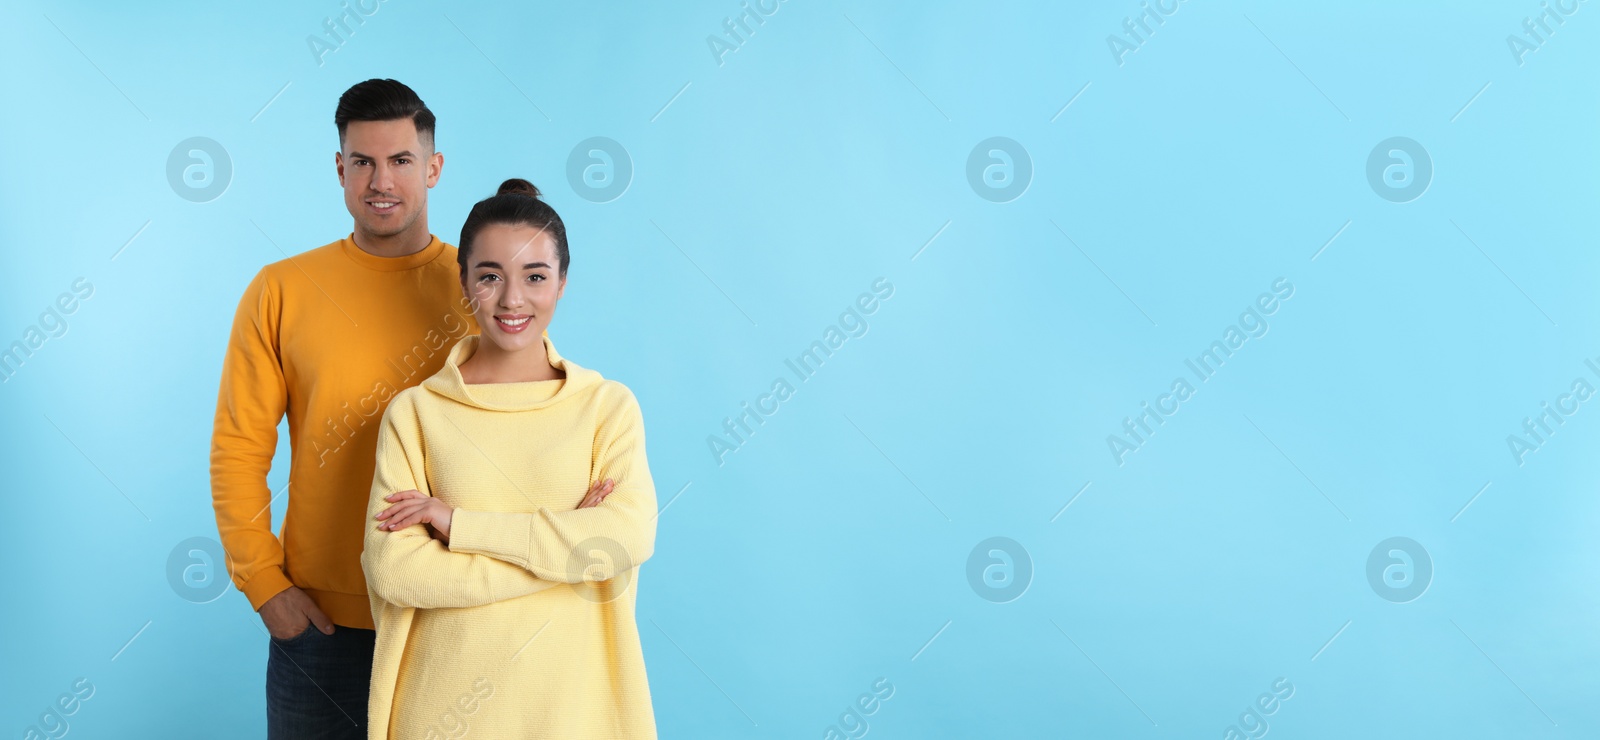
(359,155)
(529,266)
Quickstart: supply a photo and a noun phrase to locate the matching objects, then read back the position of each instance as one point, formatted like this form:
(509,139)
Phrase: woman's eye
(489,277)
(536,278)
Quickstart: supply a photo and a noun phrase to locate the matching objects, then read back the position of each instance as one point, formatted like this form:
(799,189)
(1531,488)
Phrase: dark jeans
(317,684)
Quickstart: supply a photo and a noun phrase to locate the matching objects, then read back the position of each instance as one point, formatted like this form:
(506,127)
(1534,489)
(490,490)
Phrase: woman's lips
(513,323)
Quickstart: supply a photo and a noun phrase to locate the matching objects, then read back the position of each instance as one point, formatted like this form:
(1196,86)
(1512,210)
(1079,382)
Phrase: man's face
(386,170)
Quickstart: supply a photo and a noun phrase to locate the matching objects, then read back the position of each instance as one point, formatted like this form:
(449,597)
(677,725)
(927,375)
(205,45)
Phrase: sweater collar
(524,396)
(391,264)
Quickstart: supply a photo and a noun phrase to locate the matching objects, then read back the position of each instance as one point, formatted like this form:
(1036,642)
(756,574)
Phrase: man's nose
(382,178)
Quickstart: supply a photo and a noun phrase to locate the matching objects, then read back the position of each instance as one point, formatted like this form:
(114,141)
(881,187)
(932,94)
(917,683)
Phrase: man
(328,337)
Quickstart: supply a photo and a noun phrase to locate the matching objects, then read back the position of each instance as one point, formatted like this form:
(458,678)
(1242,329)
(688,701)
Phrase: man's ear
(435,168)
(338,166)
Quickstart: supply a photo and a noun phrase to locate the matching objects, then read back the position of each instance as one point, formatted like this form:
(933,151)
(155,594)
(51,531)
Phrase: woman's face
(513,277)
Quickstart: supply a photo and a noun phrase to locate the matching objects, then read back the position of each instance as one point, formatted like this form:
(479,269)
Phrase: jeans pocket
(310,628)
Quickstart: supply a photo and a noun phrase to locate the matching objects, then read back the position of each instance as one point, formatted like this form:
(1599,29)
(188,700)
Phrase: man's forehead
(383,138)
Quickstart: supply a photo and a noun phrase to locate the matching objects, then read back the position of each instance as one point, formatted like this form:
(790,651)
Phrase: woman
(501,609)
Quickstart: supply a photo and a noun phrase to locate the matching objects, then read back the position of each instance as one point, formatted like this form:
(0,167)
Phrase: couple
(466,511)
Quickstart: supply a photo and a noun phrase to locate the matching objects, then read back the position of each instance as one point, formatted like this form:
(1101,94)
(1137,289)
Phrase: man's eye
(402,161)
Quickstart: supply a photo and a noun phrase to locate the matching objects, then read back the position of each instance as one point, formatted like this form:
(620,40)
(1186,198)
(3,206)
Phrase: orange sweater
(327,337)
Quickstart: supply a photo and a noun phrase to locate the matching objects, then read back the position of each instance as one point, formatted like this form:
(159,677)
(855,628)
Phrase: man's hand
(287,613)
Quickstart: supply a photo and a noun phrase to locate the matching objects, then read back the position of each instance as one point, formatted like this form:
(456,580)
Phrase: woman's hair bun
(518,186)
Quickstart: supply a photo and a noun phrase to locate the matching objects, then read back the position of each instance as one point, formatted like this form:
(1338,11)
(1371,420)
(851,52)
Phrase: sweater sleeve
(591,544)
(409,568)
(250,402)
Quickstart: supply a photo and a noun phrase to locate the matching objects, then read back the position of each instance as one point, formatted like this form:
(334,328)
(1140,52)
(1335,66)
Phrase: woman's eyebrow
(529,266)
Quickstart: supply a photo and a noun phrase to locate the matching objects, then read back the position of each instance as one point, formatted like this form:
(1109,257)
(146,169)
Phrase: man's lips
(383,205)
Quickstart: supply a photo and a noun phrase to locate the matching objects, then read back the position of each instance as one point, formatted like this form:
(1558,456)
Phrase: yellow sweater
(326,337)
(523,627)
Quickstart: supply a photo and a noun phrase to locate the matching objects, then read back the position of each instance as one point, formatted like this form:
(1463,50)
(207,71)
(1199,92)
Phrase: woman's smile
(512,323)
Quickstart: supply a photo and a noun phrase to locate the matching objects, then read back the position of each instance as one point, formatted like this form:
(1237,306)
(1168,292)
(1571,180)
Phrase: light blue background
(832,548)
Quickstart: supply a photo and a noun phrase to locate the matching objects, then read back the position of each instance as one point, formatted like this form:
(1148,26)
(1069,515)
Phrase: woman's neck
(491,364)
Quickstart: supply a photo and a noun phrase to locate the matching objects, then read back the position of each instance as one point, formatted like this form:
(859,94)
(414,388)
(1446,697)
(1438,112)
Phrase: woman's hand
(597,493)
(413,507)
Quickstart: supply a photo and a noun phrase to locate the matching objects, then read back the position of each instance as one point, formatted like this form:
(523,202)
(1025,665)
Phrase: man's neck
(410,241)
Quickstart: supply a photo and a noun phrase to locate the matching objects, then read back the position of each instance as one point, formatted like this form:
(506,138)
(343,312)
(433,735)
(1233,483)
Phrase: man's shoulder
(295,266)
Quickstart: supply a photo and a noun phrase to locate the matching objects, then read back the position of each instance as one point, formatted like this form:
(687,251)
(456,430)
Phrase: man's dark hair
(383,100)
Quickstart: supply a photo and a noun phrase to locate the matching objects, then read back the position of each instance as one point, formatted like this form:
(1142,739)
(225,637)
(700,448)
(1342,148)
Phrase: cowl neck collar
(523,396)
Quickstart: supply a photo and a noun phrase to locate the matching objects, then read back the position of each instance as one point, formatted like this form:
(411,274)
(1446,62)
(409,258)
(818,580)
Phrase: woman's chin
(507,342)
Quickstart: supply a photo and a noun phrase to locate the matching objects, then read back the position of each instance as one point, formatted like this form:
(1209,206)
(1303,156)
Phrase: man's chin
(387,227)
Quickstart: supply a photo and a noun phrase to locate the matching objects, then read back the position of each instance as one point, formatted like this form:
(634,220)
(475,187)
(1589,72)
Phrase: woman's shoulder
(615,392)
(404,402)
(614,398)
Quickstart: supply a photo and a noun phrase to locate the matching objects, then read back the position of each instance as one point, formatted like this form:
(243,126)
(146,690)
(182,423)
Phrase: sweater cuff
(486,533)
(264,585)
